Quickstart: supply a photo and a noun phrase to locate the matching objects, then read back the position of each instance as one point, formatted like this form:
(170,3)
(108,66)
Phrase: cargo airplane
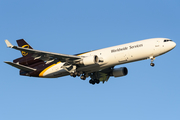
(99,65)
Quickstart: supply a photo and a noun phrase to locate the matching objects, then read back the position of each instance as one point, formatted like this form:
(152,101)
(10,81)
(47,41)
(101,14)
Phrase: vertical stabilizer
(22,43)
(27,58)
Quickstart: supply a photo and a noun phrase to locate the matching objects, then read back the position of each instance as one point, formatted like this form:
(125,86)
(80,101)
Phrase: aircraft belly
(57,74)
(54,71)
(89,68)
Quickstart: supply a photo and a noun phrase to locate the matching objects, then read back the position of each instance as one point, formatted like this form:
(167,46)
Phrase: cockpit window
(167,40)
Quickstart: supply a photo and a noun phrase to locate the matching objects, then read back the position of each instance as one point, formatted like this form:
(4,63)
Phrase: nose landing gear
(152,60)
(152,64)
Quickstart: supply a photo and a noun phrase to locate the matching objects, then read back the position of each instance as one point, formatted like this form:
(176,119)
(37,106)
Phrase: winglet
(8,44)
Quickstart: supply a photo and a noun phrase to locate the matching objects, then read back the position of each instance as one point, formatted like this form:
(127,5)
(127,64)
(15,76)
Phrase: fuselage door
(122,57)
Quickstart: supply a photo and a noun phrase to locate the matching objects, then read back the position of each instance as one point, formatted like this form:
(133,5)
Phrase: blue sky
(70,27)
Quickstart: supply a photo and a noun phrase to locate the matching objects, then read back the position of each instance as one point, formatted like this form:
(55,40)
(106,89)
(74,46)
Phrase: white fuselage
(116,55)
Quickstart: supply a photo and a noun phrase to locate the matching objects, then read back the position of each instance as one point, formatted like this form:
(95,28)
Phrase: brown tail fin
(22,43)
(27,58)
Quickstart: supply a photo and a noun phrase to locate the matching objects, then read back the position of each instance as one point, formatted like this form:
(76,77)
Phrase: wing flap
(21,67)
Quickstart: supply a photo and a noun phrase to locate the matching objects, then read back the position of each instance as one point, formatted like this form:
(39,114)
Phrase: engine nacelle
(90,60)
(118,72)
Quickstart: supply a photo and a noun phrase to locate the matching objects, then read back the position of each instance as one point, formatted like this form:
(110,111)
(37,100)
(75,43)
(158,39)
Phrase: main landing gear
(152,60)
(75,74)
(83,77)
(94,78)
(93,81)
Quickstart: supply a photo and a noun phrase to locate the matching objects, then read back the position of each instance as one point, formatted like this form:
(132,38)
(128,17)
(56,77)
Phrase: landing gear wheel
(152,64)
(71,74)
(78,74)
(92,82)
(97,81)
(83,77)
(75,73)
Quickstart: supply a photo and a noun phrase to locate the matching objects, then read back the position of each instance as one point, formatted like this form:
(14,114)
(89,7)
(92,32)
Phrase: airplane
(99,64)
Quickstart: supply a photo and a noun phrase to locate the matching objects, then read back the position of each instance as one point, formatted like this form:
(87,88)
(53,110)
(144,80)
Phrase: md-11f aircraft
(99,65)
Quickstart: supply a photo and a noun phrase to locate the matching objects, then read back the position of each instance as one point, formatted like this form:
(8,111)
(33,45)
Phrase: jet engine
(90,60)
(118,72)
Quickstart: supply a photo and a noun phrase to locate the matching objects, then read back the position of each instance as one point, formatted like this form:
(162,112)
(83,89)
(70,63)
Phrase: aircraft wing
(46,56)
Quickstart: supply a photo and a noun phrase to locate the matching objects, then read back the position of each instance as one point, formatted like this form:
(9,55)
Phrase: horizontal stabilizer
(21,67)
(8,44)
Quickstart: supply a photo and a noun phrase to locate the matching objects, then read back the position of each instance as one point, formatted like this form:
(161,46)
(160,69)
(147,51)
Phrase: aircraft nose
(173,44)
(169,46)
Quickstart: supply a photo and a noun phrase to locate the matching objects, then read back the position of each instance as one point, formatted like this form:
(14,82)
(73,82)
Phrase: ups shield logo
(23,52)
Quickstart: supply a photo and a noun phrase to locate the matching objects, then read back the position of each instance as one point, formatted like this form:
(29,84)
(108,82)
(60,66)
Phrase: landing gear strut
(152,60)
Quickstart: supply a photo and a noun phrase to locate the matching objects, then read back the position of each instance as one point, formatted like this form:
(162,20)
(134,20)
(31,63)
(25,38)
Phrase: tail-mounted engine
(118,72)
(90,60)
